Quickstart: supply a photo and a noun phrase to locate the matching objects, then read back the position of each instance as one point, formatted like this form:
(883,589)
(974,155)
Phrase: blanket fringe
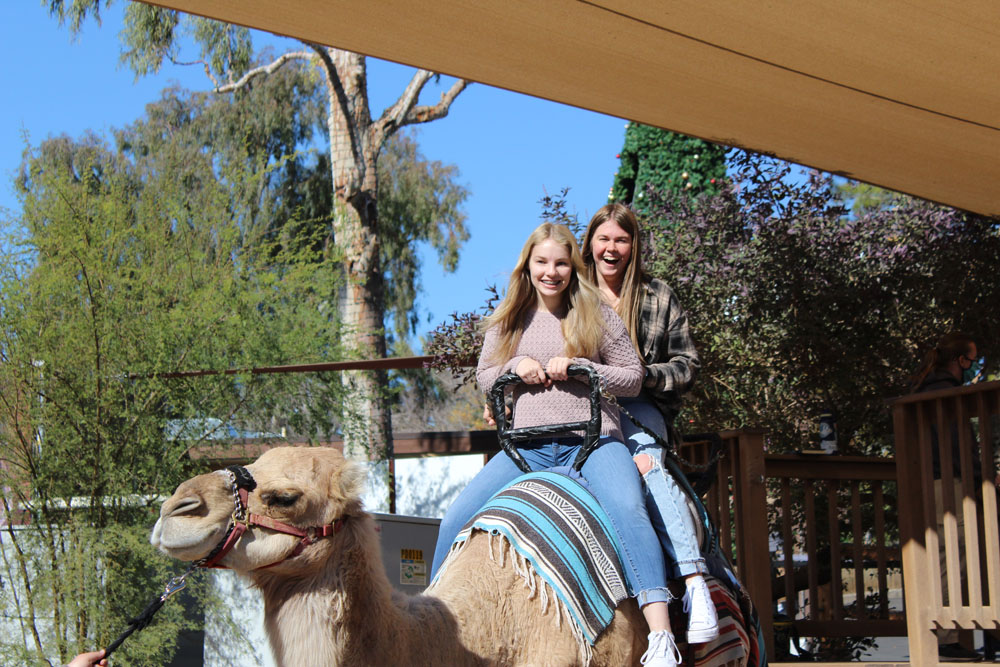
(537,585)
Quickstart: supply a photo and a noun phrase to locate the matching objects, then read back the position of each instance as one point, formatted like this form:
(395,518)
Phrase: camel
(331,603)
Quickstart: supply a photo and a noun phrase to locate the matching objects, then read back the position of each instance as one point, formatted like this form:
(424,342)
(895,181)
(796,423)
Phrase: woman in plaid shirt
(659,330)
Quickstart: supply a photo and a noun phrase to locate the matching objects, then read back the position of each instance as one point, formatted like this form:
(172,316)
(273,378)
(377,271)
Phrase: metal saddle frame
(508,436)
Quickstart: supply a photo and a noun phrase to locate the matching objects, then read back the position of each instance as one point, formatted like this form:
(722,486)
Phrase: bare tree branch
(394,116)
(403,112)
(427,113)
(203,63)
(264,69)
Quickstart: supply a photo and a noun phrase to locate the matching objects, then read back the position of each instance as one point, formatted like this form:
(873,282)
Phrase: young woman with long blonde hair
(552,316)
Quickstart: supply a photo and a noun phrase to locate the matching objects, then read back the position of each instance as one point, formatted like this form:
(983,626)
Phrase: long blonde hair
(583,324)
(630,300)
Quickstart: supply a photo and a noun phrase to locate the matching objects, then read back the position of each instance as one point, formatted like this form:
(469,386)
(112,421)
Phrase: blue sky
(510,149)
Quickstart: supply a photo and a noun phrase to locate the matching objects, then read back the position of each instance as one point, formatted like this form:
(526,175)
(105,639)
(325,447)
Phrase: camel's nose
(180,505)
(187,500)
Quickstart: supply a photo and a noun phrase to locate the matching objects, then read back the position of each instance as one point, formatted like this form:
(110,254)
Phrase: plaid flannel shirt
(668,352)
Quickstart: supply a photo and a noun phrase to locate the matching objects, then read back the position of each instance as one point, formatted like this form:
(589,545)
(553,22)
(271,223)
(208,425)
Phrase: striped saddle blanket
(564,537)
(560,530)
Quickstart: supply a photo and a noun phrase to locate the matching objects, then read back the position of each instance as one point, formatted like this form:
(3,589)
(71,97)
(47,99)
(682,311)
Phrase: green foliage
(69,587)
(554,210)
(148,37)
(456,345)
(797,307)
(863,197)
(424,207)
(664,161)
(262,131)
(122,267)
(225,48)
(76,12)
(274,118)
(150,34)
(419,202)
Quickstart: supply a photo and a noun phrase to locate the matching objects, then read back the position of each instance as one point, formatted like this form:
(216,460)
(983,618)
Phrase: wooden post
(918,585)
(752,531)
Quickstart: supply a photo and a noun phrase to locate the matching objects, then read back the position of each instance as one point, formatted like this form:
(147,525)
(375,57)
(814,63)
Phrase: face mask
(970,373)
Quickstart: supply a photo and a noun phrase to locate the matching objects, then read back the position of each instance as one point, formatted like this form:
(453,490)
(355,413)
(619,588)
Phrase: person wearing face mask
(952,362)
(658,328)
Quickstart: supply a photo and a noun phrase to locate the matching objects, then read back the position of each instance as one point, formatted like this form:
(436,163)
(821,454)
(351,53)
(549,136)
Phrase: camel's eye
(280,498)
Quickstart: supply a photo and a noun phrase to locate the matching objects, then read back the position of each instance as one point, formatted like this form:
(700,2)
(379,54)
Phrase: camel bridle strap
(242,483)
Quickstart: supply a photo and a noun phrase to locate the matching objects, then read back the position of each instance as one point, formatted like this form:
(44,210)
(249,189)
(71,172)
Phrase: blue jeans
(614,481)
(665,500)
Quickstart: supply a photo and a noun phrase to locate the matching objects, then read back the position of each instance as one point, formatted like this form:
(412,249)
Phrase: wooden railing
(786,519)
(948,526)
(837,547)
(737,504)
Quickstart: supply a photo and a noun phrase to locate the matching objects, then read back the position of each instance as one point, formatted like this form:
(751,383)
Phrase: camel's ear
(352,480)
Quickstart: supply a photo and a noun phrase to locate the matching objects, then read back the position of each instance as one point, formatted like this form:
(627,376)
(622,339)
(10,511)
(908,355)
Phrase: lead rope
(140,622)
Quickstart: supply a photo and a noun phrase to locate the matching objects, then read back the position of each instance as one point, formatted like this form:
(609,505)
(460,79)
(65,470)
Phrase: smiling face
(611,248)
(550,269)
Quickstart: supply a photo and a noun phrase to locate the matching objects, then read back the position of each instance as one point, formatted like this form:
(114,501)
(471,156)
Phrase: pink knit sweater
(567,401)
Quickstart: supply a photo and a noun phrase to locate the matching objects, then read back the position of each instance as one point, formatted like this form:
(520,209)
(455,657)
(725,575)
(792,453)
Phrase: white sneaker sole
(702,636)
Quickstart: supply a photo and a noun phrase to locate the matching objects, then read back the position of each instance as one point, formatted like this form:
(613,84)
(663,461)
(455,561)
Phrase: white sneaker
(703,622)
(662,651)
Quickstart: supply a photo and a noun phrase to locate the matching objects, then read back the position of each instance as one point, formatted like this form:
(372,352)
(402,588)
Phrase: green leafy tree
(664,161)
(862,197)
(116,271)
(269,129)
(356,142)
(798,307)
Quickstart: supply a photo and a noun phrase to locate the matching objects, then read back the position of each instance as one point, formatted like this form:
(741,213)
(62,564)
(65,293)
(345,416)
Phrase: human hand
(91,659)
(557,368)
(531,372)
(488,415)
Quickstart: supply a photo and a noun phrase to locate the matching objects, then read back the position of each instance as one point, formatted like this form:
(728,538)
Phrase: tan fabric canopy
(900,93)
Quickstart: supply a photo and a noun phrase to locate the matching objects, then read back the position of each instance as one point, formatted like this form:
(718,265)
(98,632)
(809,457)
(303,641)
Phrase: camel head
(302,487)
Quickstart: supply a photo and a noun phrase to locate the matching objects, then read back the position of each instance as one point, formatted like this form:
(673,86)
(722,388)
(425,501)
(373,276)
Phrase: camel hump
(563,540)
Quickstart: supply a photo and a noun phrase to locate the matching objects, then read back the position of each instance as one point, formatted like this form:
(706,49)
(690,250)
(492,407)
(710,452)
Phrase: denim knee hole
(645,463)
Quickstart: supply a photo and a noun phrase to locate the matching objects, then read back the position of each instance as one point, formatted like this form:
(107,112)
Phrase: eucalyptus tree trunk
(366,417)
(355,143)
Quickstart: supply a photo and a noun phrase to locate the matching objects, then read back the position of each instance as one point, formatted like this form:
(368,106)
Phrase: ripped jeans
(613,480)
(665,500)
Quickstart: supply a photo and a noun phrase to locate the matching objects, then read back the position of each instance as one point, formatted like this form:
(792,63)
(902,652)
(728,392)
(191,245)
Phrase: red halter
(242,483)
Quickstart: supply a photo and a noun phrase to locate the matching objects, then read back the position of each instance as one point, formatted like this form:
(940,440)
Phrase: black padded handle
(508,435)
